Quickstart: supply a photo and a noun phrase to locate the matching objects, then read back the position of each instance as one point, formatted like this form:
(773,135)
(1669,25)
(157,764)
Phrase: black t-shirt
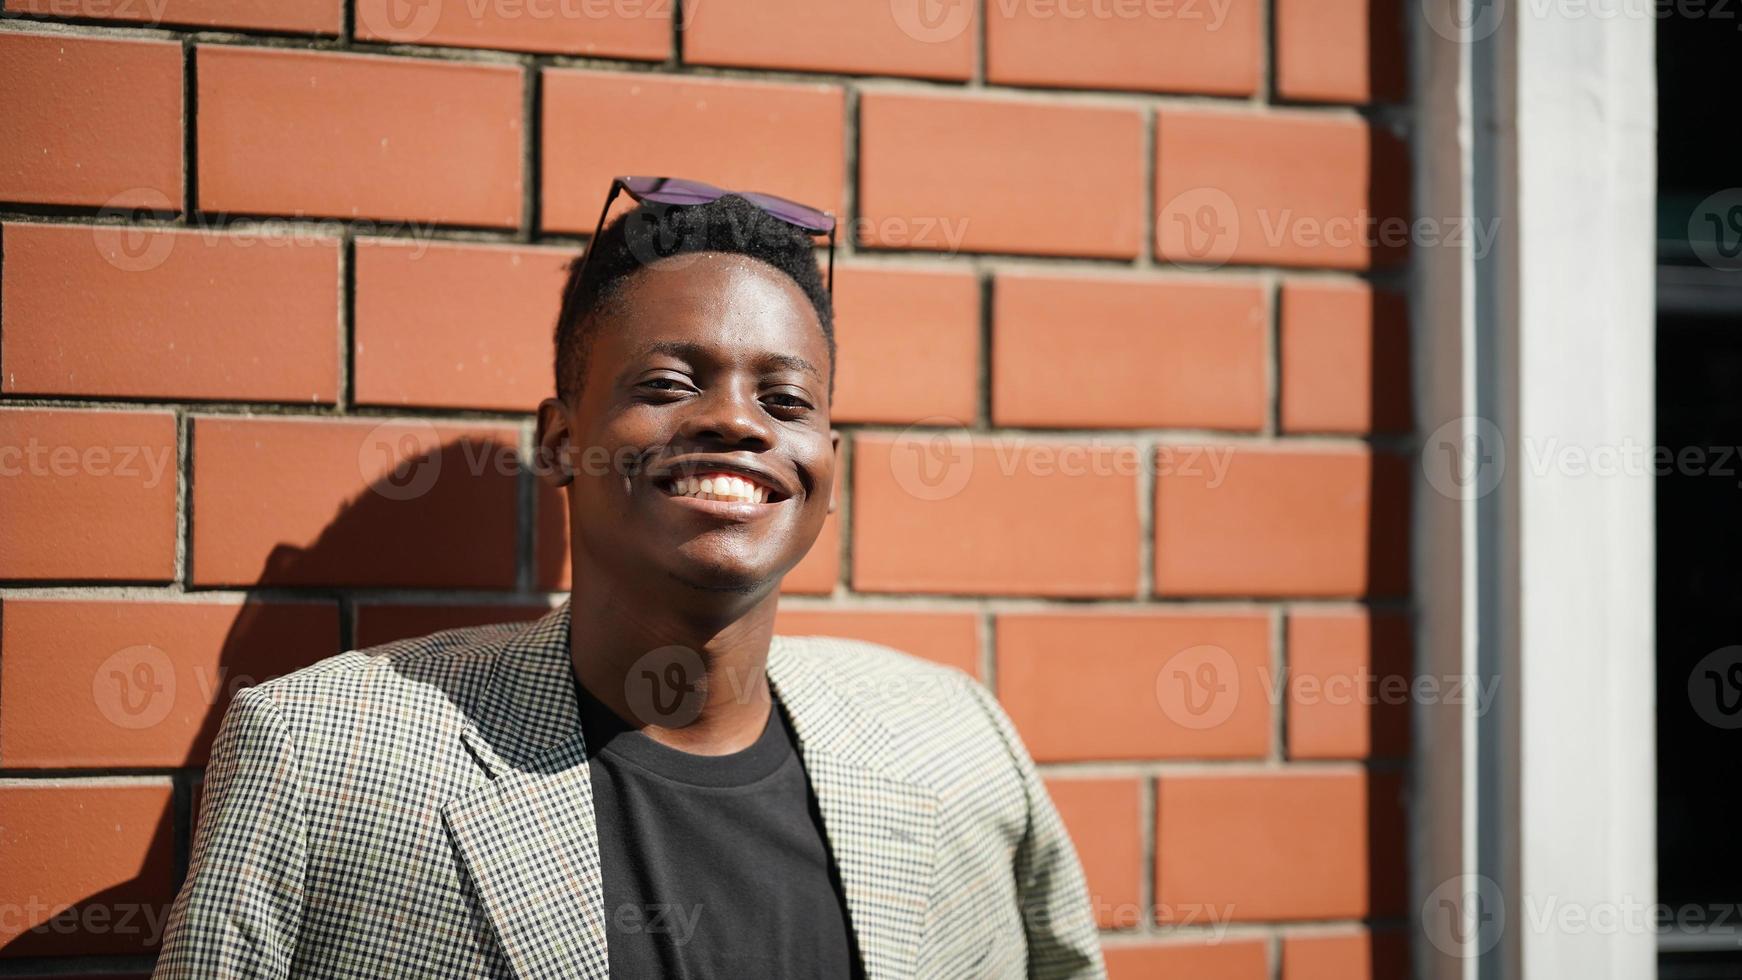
(715,867)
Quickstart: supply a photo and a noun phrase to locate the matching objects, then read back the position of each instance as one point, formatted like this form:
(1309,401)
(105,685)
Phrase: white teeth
(720,486)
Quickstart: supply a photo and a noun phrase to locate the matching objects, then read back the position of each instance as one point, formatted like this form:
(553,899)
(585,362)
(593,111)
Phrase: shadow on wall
(352,554)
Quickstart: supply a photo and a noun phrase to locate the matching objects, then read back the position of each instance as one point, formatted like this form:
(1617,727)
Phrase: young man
(647,782)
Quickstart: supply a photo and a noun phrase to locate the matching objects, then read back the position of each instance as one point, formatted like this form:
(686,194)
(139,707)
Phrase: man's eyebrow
(688,351)
(792,362)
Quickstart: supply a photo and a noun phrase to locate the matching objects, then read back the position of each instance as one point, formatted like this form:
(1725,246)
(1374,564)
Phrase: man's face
(704,367)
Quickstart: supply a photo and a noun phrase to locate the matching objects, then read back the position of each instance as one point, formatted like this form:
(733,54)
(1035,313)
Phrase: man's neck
(690,674)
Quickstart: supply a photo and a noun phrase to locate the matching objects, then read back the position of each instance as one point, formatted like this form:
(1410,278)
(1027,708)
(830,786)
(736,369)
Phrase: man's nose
(729,415)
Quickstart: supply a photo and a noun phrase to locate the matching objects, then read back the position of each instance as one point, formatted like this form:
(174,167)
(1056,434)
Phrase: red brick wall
(276,289)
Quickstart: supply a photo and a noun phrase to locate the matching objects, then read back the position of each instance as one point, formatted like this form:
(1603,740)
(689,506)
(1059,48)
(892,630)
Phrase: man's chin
(725,577)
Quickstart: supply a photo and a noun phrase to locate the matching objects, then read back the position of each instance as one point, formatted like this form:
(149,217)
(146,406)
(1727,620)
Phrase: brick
(952,173)
(944,513)
(1345,358)
(594,28)
(1085,352)
(456,325)
(1350,685)
(909,345)
(115,683)
(1351,954)
(376,623)
(1154,46)
(949,638)
(354,503)
(101,311)
(1122,685)
(1340,203)
(87,495)
(287,16)
(88,866)
(778,138)
(1271,846)
(1228,959)
(815,574)
(359,136)
(851,38)
(124,151)
(1340,51)
(1104,817)
(1258,521)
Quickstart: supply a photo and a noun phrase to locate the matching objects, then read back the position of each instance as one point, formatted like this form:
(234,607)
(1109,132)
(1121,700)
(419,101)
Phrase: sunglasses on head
(677,192)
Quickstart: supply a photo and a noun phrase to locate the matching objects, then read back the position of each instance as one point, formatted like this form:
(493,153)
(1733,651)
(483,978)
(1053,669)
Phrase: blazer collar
(529,841)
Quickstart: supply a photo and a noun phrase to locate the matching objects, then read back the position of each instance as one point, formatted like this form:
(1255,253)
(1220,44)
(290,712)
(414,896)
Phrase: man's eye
(781,399)
(664,384)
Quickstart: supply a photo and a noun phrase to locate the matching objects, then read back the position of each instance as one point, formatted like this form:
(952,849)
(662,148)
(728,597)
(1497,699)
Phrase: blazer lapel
(527,837)
(882,827)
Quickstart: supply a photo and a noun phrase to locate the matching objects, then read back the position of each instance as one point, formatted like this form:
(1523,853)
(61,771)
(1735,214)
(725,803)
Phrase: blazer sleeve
(239,910)
(1063,940)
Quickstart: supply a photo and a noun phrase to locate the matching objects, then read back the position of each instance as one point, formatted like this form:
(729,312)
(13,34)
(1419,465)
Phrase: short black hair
(650,232)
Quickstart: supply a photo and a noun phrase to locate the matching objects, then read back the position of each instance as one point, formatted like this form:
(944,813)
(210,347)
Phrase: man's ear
(552,444)
(835,447)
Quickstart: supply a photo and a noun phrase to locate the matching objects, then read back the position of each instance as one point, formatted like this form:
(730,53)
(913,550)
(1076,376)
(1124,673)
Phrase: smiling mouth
(732,488)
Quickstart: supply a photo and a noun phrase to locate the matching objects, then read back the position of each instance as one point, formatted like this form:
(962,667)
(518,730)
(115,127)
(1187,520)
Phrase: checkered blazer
(423,809)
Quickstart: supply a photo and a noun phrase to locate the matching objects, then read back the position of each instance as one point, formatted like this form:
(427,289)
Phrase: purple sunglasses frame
(679,192)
